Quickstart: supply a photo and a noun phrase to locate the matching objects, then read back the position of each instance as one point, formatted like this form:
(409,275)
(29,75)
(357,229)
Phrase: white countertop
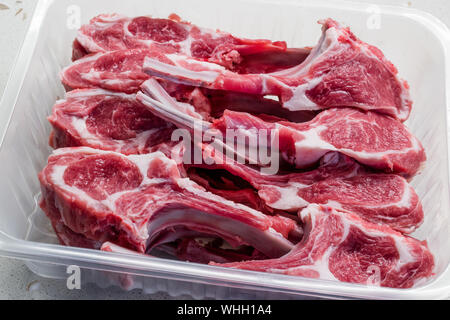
(16,281)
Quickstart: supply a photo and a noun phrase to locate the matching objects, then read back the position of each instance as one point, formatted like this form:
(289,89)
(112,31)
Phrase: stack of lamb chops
(340,203)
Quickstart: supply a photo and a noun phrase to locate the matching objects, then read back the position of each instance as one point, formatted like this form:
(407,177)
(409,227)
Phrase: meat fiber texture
(106,120)
(342,206)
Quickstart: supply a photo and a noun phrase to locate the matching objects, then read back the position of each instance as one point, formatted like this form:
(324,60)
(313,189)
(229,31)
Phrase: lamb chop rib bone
(372,139)
(341,71)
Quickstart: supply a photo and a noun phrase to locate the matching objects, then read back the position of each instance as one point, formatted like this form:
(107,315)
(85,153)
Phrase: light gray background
(16,281)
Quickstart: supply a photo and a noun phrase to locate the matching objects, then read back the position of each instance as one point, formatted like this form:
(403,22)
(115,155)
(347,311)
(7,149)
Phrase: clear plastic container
(416,42)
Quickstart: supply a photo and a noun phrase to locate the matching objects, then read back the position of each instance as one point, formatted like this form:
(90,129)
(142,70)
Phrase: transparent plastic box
(416,42)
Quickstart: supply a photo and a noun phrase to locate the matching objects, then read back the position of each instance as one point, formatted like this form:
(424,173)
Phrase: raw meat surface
(78,51)
(135,201)
(372,139)
(341,246)
(341,71)
(116,32)
(339,181)
(106,120)
(69,238)
(117,71)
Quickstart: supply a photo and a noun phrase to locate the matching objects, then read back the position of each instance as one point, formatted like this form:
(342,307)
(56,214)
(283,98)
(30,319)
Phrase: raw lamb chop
(339,245)
(116,32)
(106,120)
(372,139)
(140,201)
(121,71)
(339,181)
(341,71)
(199,250)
